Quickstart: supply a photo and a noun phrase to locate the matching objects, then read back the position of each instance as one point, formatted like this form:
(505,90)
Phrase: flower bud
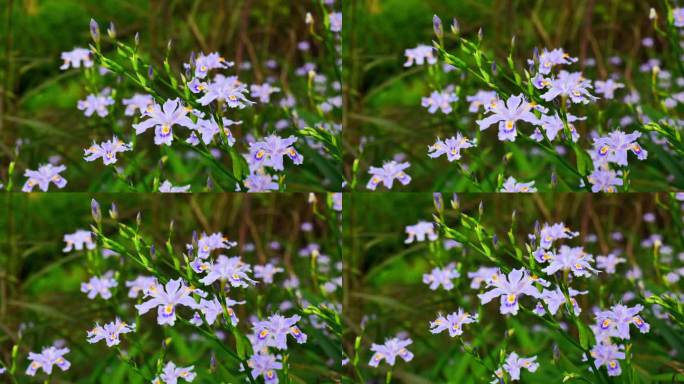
(438,201)
(437,26)
(94,30)
(455,28)
(95,210)
(454,201)
(114,212)
(111,31)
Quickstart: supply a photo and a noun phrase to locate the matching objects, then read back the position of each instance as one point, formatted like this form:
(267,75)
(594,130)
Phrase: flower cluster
(259,343)
(197,109)
(615,323)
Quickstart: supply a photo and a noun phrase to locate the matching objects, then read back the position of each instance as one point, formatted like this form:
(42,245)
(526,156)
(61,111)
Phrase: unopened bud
(94,30)
(455,28)
(111,31)
(437,26)
(95,210)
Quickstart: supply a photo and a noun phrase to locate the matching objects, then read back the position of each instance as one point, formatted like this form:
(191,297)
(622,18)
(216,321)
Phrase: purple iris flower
(572,85)
(47,358)
(197,86)
(228,89)
(553,124)
(337,201)
(166,298)
(420,55)
(615,322)
(263,92)
(513,186)
(389,351)
(552,232)
(140,284)
(440,101)
(335,22)
(167,187)
(572,259)
(614,147)
(387,174)
(205,63)
(484,99)
(139,102)
(261,183)
(678,16)
(75,58)
(510,289)
(96,103)
(266,272)
(273,331)
(265,365)
(171,373)
(482,275)
(78,240)
(100,286)
(109,332)
(421,231)
(442,276)
(230,269)
(43,176)
(208,243)
(163,118)
(607,88)
(608,355)
(270,151)
(515,363)
(453,322)
(549,59)
(106,150)
(507,114)
(555,298)
(211,309)
(209,128)
(450,147)
(608,263)
(604,180)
